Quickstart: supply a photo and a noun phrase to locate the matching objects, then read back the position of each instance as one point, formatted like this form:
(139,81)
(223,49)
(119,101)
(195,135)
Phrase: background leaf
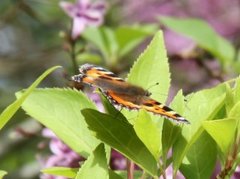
(235,114)
(103,38)
(2,174)
(12,108)
(170,130)
(236,90)
(203,106)
(61,171)
(59,110)
(152,67)
(120,135)
(204,35)
(200,159)
(149,132)
(95,166)
(217,128)
(128,37)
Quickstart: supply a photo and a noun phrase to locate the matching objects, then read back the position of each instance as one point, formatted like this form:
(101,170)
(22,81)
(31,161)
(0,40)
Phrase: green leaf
(201,158)
(203,35)
(12,108)
(149,132)
(121,174)
(229,103)
(59,110)
(217,128)
(152,67)
(235,114)
(61,171)
(171,130)
(114,175)
(203,106)
(95,166)
(236,91)
(104,39)
(120,135)
(2,174)
(129,37)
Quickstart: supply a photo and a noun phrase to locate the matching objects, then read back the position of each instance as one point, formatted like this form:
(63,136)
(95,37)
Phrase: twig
(130,169)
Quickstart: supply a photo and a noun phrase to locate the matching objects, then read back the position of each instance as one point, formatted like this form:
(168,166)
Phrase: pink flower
(84,14)
(62,155)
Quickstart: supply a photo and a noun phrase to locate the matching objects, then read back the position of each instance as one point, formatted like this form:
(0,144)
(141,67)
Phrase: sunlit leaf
(59,110)
(2,174)
(203,106)
(201,158)
(12,108)
(61,171)
(150,132)
(217,128)
(95,166)
(171,130)
(151,68)
(204,35)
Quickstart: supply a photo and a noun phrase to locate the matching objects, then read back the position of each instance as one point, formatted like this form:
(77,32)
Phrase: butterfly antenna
(153,85)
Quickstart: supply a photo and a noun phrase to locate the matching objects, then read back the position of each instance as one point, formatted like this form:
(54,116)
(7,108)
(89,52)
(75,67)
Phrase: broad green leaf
(229,103)
(2,174)
(120,135)
(171,130)
(128,37)
(12,108)
(235,111)
(236,92)
(114,175)
(152,67)
(103,38)
(95,166)
(88,57)
(121,174)
(201,158)
(235,114)
(217,128)
(201,32)
(59,110)
(61,171)
(149,132)
(203,106)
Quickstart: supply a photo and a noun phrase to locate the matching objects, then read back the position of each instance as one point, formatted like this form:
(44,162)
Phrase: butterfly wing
(106,80)
(121,93)
(147,103)
(158,108)
(121,99)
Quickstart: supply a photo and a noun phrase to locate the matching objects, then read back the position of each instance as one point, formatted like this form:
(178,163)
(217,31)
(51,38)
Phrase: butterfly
(123,94)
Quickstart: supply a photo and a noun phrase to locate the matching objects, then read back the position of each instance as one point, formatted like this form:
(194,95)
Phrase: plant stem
(130,169)
(73,57)
(231,158)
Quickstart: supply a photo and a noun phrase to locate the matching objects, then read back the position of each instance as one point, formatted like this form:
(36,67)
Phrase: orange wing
(123,94)
(148,104)
(155,107)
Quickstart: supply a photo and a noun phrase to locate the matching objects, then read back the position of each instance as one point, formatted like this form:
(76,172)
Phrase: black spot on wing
(156,103)
(177,115)
(148,104)
(167,108)
(111,75)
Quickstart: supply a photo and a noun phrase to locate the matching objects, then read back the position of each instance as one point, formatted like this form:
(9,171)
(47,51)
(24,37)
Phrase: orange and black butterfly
(123,94)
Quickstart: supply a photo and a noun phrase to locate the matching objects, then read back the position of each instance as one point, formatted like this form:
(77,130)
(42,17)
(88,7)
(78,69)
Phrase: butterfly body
(122,93)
